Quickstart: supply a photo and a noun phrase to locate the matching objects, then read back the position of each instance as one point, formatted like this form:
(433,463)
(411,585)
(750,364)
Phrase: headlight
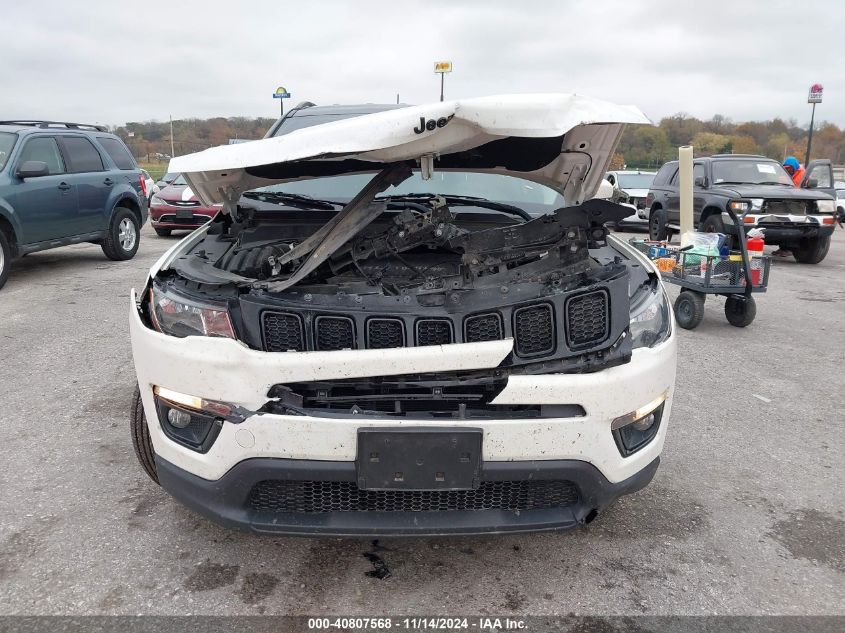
(824,206)
(740,206)
(650,320)
(159,201)
(756,204)
(179,316)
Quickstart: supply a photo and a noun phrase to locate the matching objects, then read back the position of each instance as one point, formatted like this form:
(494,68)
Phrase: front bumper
(228,502)
(165,217)
(791,230)
(580,448)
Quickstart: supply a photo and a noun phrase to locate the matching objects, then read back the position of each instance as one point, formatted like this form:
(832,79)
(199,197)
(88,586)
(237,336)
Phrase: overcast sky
(113,61)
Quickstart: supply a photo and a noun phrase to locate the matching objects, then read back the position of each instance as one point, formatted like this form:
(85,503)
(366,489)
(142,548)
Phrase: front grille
(334,333)
(434,332)
(384,333)
(344,496)
(483,327)
(587,319)
(785,207)
(534,330)
(282,332)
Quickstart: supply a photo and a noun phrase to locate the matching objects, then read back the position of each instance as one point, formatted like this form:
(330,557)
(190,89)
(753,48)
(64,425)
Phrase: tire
(740,311)
(123,236)
(141,436)
(162,232)
(5,258)
(689,309)
(657,230)
(715,224)
(812,251)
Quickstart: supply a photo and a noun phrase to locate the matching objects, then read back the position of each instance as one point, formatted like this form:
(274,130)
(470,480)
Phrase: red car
(176,207)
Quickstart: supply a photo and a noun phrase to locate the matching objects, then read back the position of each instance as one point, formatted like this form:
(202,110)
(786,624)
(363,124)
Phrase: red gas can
(755,252)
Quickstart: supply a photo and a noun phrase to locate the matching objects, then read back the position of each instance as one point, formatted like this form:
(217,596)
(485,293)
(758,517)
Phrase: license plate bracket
(420,458)
(184,214)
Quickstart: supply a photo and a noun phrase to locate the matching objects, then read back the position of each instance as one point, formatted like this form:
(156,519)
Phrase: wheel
(162,232)
(121,240)
(689,309)
(812,251)
(5,258)
(715,224)
(657,230)
(740,310)
(141,436)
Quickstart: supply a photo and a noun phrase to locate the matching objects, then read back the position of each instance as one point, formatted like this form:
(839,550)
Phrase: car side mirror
(700,182)
(33,169)
(812,183)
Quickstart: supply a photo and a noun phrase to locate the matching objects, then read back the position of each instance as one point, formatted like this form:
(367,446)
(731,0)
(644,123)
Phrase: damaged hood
(563,141)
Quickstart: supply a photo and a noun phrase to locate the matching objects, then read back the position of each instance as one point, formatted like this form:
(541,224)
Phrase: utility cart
(734,274)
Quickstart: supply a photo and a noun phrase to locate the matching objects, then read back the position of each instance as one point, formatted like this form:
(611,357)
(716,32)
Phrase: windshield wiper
(464,201)
(293,199)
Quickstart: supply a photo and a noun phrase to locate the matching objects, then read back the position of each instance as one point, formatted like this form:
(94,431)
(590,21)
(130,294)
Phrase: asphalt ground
(745,516)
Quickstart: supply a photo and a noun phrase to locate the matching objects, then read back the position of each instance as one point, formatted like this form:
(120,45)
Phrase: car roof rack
(65,124)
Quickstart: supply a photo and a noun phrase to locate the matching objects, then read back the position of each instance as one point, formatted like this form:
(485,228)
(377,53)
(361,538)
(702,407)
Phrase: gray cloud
(115,61)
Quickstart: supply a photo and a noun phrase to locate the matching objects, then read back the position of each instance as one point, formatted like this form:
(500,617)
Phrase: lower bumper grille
(312,497)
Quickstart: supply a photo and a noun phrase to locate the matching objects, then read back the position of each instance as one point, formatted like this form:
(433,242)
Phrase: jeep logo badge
(431,124)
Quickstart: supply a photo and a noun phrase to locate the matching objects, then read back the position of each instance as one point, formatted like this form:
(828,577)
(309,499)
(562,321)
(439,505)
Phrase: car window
(635,181)
(697,171)
(45,149)
(118,152)
(840,193)
(7,142)
(821,174)
(179,180)
(675,177)
(663,174)
(81,154)
(749,171)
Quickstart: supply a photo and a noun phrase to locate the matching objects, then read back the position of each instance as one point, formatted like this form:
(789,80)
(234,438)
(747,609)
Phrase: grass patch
(156,170)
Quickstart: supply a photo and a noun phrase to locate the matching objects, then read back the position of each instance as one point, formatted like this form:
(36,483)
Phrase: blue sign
(281,93)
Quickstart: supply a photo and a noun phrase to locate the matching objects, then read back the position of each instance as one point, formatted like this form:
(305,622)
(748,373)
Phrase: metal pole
(810,137)
(442,75)
(172,151)
(281,107)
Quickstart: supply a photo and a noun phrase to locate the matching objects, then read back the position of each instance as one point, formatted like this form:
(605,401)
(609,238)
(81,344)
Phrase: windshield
(756,172)
(534,198)
(179,180)
(840,193)
(169,177)
(635,181)
(7,142)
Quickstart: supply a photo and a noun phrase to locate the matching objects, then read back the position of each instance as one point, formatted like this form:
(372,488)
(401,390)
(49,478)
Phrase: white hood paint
(592,128)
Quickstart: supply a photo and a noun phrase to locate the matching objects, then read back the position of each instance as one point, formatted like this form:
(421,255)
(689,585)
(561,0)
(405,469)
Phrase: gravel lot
(746,514)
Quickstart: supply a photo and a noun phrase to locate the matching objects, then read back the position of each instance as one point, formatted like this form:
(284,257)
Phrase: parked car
(151,187)
(800,220)
(176,207)
(65,183)
(631,188)
(389,343)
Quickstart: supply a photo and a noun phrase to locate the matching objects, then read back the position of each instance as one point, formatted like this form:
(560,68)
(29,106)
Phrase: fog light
(644,424)
(179,419)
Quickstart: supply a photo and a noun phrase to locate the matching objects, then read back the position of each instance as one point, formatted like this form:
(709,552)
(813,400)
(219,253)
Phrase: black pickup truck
(760,192)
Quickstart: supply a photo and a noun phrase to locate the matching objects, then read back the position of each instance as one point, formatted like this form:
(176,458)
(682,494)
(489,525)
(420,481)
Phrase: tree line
(149,141)
(646,146)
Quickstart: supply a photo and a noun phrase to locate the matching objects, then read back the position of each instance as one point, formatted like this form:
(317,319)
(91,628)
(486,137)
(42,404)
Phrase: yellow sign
(442,67)
(280,90)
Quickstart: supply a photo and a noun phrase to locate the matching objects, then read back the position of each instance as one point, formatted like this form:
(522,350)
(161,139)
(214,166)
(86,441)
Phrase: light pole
(442,68)
(172,151)
(281,94)
(814,97)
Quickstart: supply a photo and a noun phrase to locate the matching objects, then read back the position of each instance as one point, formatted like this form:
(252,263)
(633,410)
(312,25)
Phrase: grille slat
(384,333)
(483,327)
(313,497)
(587,319)
(534,330)
(334,333)
(434,332)
(282,332)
